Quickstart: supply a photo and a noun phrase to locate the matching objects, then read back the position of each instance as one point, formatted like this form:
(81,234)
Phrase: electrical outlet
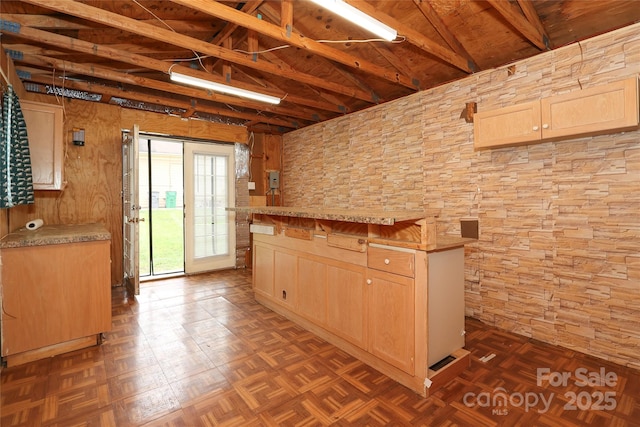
(252,185)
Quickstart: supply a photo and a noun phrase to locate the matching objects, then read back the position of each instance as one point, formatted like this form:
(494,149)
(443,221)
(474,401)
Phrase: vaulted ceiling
(321,66)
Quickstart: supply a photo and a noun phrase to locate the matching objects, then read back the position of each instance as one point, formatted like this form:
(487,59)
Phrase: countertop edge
(357,216)
(55,235)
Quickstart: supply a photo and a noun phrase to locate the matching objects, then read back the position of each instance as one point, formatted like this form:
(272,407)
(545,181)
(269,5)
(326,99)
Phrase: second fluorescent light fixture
(359,18)
(219,87)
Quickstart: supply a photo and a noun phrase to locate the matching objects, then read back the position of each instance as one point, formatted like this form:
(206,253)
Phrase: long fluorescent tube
(359,18)
(219,87)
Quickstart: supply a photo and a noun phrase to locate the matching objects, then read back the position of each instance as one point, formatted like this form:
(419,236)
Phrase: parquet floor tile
(199,351)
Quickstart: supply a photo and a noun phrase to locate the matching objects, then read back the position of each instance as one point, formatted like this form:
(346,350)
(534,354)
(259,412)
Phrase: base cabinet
(312,303)
(391,318)
(373,304)
(263,262)
(53,295)
(345,302)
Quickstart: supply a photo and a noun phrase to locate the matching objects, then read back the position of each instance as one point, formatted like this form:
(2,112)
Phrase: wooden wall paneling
(4,222)
(176,126)
(94,171)
(257,164)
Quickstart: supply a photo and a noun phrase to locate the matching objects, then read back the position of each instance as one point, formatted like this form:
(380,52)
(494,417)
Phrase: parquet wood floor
(199,351)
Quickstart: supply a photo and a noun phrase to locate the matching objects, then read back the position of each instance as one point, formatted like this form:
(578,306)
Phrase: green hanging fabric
(15,162)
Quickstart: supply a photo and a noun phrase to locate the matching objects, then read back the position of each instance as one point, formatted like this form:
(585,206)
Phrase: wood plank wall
(94,171)
(558,257)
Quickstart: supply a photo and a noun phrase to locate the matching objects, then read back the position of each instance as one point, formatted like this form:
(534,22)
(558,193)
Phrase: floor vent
(444,362)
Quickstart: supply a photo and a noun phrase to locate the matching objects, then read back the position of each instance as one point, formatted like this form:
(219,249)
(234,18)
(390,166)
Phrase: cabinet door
(312,295)
(513,125)
(263,270)
(608,108)
(285,278)
(346,309)
(44,129)
(63,294)
(391,319)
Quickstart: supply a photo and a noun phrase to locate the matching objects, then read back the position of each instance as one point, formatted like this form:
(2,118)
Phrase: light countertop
(55,235)
(347,215)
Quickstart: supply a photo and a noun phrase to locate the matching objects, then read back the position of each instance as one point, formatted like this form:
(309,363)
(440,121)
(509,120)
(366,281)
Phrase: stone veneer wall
(558,257)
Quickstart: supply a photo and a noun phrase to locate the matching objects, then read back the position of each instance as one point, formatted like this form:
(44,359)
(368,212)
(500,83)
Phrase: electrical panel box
(274,180)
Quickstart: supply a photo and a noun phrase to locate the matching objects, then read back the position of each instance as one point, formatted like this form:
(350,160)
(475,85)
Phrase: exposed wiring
(402,40)
(257,52)
(198,57)
(154,15)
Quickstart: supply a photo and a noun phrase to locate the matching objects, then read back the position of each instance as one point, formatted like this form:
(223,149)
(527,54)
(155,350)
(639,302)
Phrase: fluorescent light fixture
(219,87)
(359,18)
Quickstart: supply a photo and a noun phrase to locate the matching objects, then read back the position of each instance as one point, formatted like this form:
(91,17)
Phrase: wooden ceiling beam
(286,15)
(108,74)
(415,38)
(274,15)
(230,28)
(432,16)
(513,15)
(152,64)
(221,11)
(111,19)
(533,17)
(45,21)
(110,92)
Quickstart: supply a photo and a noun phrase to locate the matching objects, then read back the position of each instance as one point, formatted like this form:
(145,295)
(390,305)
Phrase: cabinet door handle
(369,281)
(545,126)
(387,261)
(535,128)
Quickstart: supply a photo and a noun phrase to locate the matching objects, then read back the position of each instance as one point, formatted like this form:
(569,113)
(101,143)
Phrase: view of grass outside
(168,241)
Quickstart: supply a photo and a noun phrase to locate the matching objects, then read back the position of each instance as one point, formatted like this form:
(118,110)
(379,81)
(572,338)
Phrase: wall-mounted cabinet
(598,110)
(46,143)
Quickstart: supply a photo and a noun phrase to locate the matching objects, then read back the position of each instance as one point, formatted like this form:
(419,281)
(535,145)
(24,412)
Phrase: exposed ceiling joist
(278,33)
(148,63)
(166,36)
(416,38)
(514,16)
(109,91)
(123,50)
(453,42)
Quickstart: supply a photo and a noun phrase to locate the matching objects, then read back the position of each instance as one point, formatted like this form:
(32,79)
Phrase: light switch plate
(252,185)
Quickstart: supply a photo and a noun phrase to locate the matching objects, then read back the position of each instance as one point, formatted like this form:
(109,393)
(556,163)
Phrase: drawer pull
(387,261)
(369,281)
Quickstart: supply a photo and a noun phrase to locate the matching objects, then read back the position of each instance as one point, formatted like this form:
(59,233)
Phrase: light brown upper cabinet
(46,146)
(603,109)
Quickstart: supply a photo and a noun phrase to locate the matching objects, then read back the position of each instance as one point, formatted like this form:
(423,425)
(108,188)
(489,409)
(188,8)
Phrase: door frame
(193,265)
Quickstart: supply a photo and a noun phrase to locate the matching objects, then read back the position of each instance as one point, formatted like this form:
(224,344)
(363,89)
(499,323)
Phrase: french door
(210,235)
(130,208)
(206,239)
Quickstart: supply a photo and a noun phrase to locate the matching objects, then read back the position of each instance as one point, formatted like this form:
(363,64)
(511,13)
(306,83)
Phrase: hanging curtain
(15,162)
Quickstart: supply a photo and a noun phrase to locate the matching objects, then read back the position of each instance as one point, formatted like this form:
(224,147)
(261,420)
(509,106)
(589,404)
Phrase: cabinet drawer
(390,260)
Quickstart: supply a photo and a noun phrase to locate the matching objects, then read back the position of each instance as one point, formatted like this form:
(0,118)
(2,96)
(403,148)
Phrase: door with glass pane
(209,189)
(130,208)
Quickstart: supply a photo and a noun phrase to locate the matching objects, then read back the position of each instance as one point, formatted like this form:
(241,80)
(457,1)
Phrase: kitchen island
(56,290)
(379,285)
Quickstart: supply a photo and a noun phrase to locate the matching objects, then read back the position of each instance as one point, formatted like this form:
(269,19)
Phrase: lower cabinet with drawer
(372,303)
